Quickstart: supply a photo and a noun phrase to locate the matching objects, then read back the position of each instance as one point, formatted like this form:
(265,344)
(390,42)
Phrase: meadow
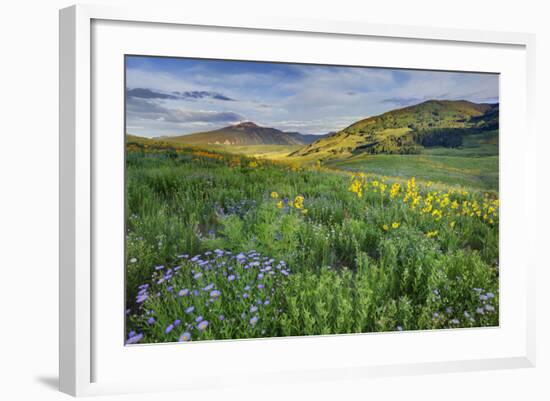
(227,246)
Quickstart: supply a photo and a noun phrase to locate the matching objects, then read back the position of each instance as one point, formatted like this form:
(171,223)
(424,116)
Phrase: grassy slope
(393,130)
(475,164)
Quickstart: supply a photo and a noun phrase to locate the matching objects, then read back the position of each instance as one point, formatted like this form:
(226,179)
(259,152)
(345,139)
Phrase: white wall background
(29,187)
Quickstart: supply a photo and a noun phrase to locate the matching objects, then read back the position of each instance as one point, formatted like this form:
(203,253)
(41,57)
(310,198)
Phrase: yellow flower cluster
(298,202)
(428,201)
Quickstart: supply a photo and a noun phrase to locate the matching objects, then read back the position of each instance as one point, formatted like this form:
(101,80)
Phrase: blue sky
(176,96)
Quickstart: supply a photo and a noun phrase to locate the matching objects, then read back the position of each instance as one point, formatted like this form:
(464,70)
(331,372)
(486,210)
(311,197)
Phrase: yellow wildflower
(299,202)
(385,227)
(274,195)
(280,204)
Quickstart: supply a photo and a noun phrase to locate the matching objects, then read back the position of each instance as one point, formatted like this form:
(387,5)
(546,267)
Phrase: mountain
(407,130)
(244,134)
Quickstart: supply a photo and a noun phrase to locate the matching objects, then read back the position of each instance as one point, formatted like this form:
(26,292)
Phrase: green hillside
(434,123)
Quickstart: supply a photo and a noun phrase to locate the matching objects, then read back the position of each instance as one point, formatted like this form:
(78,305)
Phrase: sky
(179,96)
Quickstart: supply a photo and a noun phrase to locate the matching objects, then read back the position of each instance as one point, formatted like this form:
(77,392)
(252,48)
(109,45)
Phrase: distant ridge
(244,134)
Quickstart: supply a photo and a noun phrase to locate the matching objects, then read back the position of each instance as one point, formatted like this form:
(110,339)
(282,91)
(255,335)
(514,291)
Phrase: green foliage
(347,274)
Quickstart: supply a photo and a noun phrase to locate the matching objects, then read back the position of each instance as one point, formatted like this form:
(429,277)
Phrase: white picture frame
(80,153)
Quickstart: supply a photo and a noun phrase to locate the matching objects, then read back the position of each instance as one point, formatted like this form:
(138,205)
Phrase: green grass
(473,165)
(335,268)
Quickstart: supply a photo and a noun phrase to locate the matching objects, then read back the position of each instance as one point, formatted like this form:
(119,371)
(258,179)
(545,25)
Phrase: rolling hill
(407,130)
(243,134)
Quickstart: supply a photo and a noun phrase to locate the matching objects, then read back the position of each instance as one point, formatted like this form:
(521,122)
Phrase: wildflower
(489,308)
(214,294)
(183,293)
(385,227)
(432,234)
(480,311)
(133,260)
(274,195)
(190,309)
(231,277)
(197,276)
(399,328)
(299,202)
(135,338)
(159,267)
(198,318)
(395,225)
(221,318)
(280,204)
(252,164)
(208,287)
(254,320)
(455,321)
(151,320)
(185,337)
(253,309)
(169,328)
(142,298)
(245,295)
(202,325)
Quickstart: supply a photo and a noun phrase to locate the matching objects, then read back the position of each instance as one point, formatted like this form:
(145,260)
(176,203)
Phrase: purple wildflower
(134,339)
(169,328)
(202,325)
(185,337)
(190,309)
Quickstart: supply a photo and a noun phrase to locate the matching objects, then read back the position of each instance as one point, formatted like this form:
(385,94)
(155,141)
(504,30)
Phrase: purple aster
(208,287)
(253,309)
(159,267)
(197,276)
(221,317)
(134,339)
(202,325)
(183,292)
(214,294)
(254,320)
(151,320)
(198,318)
(185,337)
(169,328)
(177,322)
(190,309)
(260,286)
(231,277)
(245,295)
(141,298)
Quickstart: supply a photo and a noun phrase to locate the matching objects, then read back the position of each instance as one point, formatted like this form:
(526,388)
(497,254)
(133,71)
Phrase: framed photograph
(285,200)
